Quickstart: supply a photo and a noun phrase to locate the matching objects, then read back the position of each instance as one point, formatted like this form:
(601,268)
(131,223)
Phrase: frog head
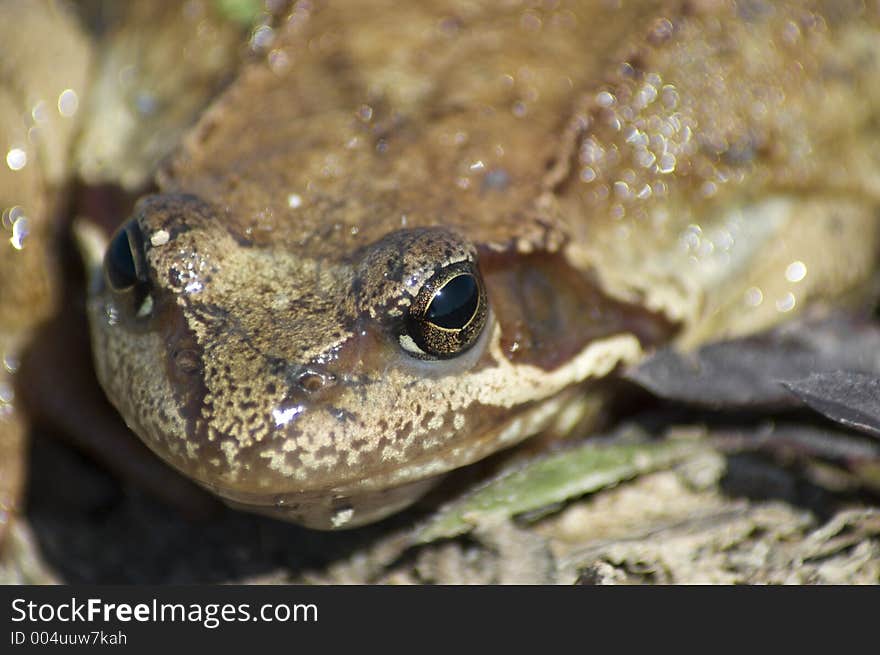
(333,391)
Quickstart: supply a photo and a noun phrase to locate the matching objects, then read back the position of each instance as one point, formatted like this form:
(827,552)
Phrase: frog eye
(448,314)
(124,262)
(125,266)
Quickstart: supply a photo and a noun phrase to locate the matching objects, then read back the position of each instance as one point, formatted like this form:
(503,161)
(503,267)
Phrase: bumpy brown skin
(616,175)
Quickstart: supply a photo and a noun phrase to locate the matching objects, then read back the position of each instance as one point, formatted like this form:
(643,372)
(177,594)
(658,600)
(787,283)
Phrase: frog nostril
(312,381)
(187,361)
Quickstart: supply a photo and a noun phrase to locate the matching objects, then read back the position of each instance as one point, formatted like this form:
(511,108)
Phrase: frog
(394,247)
(391,248)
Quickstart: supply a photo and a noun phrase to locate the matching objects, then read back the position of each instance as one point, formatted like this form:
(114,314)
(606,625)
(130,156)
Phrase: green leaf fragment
(552,480)
(241,11)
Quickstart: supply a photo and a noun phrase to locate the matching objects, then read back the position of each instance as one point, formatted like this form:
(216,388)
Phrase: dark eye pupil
(453,306)
(119,262)
(448,314)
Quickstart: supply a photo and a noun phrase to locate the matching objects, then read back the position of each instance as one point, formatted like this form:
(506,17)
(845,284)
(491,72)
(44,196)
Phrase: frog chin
(329,510)
(363,502)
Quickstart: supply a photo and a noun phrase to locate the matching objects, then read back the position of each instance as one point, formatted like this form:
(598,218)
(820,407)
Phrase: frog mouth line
(517,426)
